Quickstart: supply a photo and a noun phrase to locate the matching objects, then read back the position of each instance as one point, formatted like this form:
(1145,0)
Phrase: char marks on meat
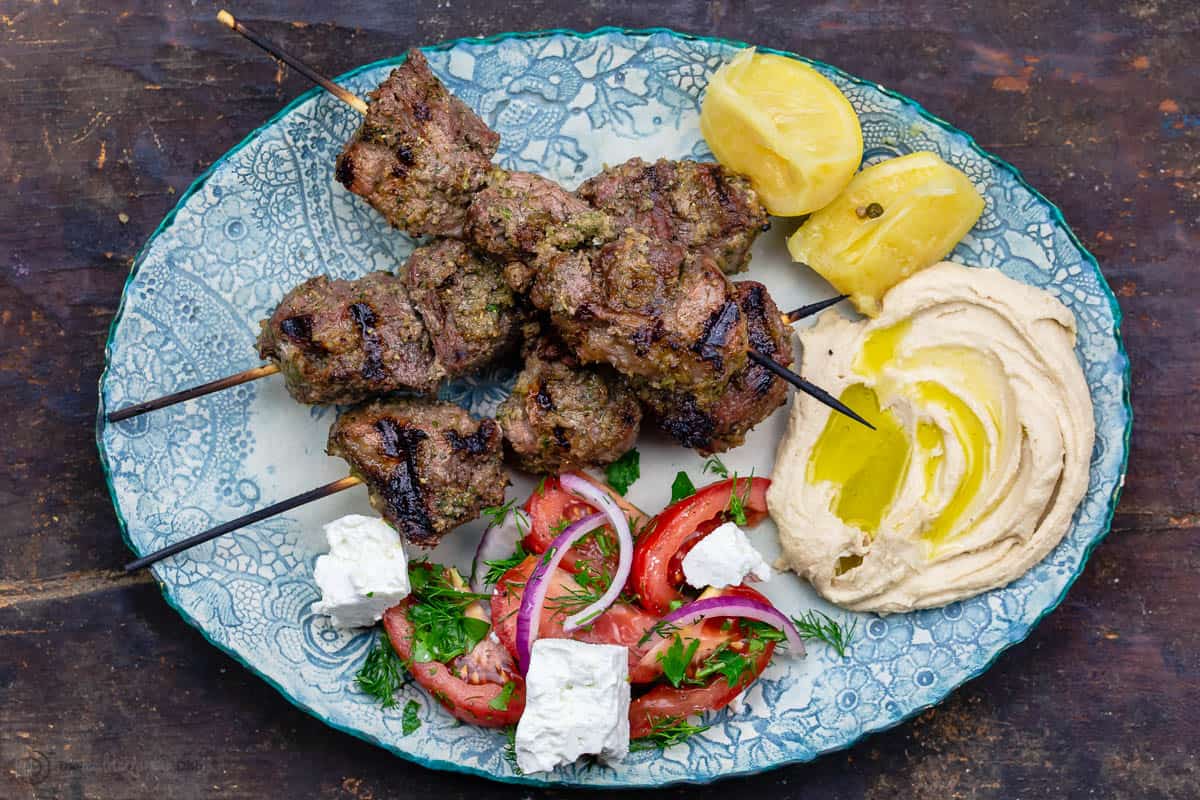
(364,317)
(701,206)
(339,341)
(752,394)
(464,300)
(563,416)
(656,313)
(298,329)
(420,153)
(427,465)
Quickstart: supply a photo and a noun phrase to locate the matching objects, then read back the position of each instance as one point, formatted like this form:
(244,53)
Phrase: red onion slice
(731,606)
(529,617)
(498,542)
(620,525)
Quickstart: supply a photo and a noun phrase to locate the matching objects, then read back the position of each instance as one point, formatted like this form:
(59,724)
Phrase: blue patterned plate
(269,214)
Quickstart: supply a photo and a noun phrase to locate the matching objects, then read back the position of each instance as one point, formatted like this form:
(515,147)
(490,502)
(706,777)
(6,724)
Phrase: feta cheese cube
(724,558)
(576,703)
(364,573)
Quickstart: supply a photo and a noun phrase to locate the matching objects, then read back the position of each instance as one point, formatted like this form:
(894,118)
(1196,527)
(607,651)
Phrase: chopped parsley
(441,628)
(382,673)
(410,721)
(724,661)
(666,732)
(676,659)
(500,701)
(716,466)
(682,488)
(497,568)
(624,471)
(820,626)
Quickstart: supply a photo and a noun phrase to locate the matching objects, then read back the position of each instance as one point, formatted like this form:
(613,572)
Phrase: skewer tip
(226,19)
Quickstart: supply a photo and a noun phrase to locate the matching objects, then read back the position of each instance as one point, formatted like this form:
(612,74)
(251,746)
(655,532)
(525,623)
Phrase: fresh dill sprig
(497,568)
(716,466)
(737,505)
(587,590)
(441,627)
(818,625)
(382,673)
(510,749)
(660,628)
(667,732)
(498,515)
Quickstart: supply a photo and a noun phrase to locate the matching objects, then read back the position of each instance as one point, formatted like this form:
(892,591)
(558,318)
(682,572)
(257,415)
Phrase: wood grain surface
(108,110)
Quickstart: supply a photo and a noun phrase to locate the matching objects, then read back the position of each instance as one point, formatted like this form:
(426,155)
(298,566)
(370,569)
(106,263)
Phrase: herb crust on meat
(420,154)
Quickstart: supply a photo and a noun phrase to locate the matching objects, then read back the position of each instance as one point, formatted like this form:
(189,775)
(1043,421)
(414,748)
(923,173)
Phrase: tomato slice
(469,684)
(711,633)
(665,701)
(621,624)
(656,574)
(551,508)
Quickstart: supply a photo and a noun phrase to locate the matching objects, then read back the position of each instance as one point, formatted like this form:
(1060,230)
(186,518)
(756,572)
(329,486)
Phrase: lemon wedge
(786,127)
(895,218)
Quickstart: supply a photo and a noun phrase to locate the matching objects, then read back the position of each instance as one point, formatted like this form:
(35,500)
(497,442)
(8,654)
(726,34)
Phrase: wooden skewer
(341,93)
(270,369)
(812,308)
(196,391)
(810,389)
(339,485)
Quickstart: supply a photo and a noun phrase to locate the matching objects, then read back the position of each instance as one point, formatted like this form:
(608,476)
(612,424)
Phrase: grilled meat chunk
(428,466)
(701,206)
(655,313)
(753,393)
(466,304)
(520,215)
(339,341)
(420,153)
(564,416)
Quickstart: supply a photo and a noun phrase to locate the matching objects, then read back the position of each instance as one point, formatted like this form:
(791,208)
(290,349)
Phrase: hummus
(980,458)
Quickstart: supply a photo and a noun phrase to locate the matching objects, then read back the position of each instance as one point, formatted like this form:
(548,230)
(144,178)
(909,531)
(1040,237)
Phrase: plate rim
(449,44)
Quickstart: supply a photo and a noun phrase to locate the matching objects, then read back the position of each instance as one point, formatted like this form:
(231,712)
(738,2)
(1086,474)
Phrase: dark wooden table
(109,110)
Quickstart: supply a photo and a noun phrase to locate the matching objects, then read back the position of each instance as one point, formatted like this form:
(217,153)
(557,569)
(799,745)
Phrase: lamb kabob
(533,224)
(422,158)
(704,209)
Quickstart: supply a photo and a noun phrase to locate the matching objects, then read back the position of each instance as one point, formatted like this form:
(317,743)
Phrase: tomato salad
(580,562)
